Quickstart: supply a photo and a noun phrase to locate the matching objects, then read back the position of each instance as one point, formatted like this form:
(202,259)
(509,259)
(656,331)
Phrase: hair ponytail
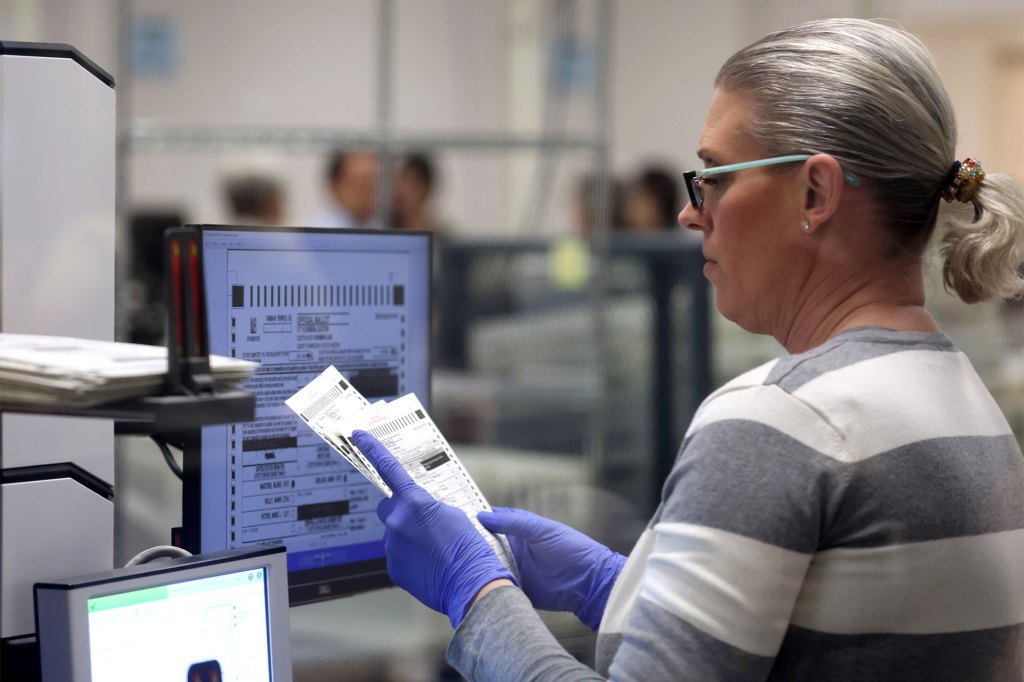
(983,248)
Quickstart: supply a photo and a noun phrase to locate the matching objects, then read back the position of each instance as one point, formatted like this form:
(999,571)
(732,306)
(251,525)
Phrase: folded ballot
(333,408)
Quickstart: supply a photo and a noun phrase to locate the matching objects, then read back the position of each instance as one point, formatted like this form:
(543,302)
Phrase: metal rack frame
(135,136)
(153,136)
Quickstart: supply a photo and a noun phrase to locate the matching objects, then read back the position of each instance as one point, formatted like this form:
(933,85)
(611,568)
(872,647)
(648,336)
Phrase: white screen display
(164,632)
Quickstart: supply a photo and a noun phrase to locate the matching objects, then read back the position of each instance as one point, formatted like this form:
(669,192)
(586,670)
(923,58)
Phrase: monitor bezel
(317,584)
(63,636)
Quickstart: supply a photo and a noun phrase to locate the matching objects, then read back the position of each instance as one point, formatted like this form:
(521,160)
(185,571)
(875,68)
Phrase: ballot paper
(334,409)
(67,371)
(324,404)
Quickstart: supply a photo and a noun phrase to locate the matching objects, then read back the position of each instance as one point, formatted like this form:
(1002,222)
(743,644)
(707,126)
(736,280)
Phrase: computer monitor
(299,300)
(222,616)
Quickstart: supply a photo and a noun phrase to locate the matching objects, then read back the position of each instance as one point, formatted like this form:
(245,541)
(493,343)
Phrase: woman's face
(756,254)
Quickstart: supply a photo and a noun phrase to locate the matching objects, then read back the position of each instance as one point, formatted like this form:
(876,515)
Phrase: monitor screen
(298,300)
(222,616)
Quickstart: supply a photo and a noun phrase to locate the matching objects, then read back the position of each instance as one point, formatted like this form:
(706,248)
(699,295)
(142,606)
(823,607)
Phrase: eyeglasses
(692,179)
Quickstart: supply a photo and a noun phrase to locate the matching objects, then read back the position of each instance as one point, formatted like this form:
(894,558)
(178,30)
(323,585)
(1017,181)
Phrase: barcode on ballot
(324,401)
(395,425)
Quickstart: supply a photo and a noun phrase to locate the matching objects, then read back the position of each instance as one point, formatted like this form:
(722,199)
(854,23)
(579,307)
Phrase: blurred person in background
(652,200)
(851,510)
(254,199)
(351,189)
(585,204)
(413,202)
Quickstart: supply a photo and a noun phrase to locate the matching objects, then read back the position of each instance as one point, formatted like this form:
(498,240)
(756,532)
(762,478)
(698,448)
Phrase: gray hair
(871,96)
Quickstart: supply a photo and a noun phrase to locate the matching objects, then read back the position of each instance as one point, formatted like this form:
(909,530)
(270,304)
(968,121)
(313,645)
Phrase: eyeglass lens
(693,189)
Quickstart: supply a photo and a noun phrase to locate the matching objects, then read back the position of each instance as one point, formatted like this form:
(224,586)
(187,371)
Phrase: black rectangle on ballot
(435,460)
(253,444)
(398,295)
(322,510)
(237,296)
(375,382)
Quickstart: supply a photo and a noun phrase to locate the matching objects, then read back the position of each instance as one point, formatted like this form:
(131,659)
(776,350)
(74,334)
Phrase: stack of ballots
(71,372)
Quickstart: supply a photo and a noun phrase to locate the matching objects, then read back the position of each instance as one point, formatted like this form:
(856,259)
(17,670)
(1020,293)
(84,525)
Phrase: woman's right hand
(560,568)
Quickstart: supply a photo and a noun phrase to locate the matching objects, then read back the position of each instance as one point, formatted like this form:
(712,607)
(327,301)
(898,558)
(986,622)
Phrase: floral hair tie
(963,180)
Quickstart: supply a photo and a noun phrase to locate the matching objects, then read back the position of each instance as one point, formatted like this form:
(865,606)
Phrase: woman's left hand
(433,550)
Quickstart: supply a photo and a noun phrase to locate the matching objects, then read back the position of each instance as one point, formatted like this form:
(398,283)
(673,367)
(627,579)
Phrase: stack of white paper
(64,371)
(334,409)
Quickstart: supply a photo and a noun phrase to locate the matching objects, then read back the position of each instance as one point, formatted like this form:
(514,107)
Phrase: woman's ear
(824,183)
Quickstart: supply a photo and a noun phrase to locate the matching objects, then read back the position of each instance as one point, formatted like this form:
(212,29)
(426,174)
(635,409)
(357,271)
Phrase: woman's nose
(691,218)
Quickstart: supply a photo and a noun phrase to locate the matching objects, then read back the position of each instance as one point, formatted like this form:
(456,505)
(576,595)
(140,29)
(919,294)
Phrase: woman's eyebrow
(706,156)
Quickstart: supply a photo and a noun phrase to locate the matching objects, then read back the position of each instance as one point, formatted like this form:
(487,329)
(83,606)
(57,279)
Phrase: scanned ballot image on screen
(296,302)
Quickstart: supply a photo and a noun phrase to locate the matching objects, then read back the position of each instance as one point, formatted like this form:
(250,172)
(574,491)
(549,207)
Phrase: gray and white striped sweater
(853,512)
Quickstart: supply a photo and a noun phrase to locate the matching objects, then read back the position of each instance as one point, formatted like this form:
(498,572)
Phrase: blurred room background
(541,141)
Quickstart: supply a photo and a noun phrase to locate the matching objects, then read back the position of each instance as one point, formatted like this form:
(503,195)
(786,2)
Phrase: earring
(806,226)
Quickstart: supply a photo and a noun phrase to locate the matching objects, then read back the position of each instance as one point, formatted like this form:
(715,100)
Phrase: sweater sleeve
(503,638)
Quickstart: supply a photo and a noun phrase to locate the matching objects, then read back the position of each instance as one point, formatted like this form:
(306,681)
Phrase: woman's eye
(708,182)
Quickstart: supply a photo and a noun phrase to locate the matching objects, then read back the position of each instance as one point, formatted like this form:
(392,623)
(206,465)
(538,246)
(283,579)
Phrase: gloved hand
(434,552)
(560,568)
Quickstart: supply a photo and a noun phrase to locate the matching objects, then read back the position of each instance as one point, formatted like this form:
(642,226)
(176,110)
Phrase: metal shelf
(162,414)
(147,136)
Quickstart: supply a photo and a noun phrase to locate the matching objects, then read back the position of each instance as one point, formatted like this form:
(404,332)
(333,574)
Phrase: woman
(853,510)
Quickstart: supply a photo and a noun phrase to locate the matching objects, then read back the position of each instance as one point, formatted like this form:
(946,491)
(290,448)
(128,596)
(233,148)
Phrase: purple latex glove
(434,552)
(560,568)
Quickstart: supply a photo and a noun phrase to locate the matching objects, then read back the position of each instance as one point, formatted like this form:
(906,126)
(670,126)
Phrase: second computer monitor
(220,616)
(299,300)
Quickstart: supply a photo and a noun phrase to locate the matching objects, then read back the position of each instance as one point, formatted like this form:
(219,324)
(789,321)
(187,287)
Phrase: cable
(158,552)
(168,457)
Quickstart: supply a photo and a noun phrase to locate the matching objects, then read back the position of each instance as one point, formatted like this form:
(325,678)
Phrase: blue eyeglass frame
(692,178)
